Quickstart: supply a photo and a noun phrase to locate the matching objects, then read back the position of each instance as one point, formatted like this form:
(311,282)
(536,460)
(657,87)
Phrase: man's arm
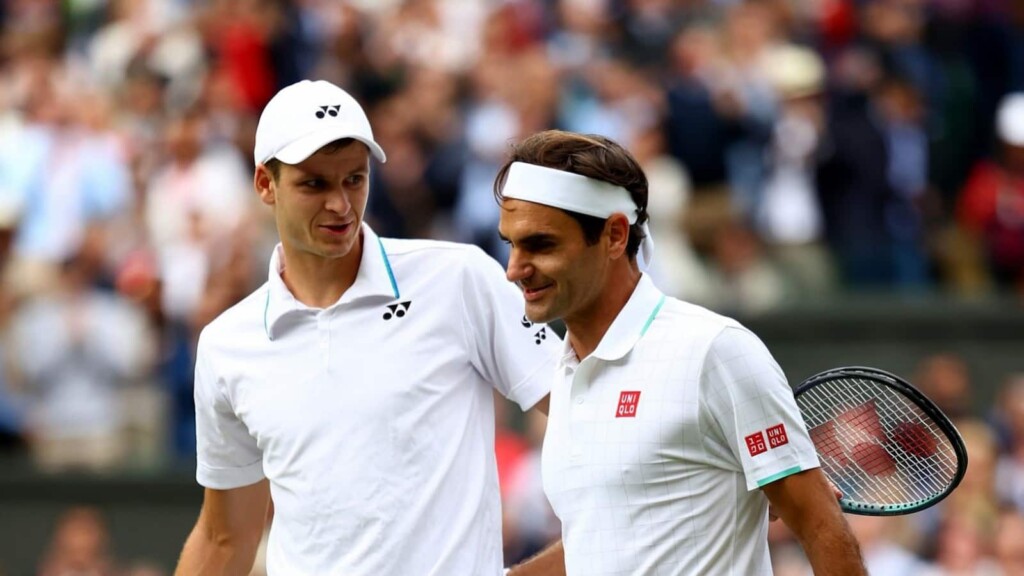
(225,538)
(548,562)
(806,502)
(542,404)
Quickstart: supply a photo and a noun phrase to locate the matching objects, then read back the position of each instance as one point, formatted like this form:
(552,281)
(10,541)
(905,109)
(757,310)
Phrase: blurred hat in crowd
(795,71)
(1010,119)
(304,117)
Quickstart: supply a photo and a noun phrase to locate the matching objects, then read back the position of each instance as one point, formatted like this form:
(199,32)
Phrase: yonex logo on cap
(331,111)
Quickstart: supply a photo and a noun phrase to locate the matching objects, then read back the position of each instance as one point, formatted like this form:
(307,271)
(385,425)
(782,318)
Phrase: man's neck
(588,327)
(320,282)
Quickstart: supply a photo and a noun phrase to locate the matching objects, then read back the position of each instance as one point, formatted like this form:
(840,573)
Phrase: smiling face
(319,203)
(560,275)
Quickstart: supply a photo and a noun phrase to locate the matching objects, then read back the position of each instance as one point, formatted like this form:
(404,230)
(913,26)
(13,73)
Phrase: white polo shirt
(373,419)
(658,442)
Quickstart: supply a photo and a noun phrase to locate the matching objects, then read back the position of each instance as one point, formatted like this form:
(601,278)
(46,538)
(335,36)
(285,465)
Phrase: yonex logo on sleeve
(756,444)
(628,402)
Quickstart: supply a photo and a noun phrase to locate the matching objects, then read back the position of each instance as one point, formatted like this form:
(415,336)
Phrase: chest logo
(628,402)
(397,310)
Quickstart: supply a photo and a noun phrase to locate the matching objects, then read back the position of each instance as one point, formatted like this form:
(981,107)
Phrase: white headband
(575,193)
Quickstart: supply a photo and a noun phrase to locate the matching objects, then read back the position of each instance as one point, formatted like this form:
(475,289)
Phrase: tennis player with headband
(671,428)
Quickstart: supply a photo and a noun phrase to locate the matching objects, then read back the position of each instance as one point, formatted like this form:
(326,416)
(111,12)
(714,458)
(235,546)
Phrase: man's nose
(338,202)
(518,267)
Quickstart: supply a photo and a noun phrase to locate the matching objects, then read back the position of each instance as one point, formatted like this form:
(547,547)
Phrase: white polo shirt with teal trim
(658,441)
(373,419)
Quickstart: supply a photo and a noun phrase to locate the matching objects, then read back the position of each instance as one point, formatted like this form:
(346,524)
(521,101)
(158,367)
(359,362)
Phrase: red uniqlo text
(628,401)
(777,435)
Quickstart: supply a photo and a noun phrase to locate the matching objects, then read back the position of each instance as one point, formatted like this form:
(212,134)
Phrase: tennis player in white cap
(671,428)
(354,388)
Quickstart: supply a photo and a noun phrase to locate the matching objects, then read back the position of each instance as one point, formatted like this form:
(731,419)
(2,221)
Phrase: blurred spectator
(1009,541)
(743,277)
(74,174)
(789,215)
(945,378)
(992,204)
(194,202)
(1009,417)
(80,545)
(963,549)
(970,510)
(676,268)
(77,349)
(870,181)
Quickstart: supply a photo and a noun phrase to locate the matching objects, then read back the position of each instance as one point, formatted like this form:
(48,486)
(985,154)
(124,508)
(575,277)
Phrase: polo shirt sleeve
(515,355)
(752,407)
(226,454)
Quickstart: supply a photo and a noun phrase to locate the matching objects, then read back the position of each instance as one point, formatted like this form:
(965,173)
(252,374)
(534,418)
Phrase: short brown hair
(274,165)
(592,156)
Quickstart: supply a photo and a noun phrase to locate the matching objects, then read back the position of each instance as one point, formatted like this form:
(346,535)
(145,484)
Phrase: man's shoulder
(411,246)
(697,316)
(245,316)
(441,256)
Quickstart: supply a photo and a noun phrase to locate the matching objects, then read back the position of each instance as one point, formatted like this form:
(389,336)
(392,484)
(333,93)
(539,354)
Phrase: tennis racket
(885,445)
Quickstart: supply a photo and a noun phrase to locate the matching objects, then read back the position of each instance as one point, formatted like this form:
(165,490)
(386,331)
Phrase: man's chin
(539,314)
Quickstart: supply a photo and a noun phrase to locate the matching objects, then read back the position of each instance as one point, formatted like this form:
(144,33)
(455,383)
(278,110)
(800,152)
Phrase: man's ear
(265,186)
(617,230)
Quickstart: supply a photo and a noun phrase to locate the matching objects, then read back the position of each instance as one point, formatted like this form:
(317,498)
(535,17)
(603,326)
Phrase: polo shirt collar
(631,323)
(375,278)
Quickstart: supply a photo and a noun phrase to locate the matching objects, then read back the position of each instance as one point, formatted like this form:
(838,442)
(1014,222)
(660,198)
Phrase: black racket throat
(883,443)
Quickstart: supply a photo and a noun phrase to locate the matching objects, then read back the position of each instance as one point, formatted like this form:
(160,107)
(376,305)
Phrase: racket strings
(876,444)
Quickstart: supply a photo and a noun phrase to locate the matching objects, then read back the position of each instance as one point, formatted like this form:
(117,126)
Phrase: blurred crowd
(796,150)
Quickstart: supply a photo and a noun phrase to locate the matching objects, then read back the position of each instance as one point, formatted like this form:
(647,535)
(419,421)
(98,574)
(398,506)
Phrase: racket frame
(921,401)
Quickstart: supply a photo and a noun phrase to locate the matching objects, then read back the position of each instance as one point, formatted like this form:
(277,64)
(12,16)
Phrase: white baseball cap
(1010,119)
(304,117)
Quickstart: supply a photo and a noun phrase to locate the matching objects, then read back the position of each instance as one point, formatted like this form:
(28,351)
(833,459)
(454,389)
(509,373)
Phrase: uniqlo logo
(628,401)
(755,443)
(777,435)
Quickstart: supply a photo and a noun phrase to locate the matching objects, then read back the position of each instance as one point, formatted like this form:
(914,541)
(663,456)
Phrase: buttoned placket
(579,408)
(323,328)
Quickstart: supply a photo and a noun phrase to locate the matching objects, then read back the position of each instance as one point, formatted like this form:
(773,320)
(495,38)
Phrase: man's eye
(316,183)
(355,180)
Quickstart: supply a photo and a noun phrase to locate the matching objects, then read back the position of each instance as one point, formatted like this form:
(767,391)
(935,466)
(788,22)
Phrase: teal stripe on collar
(387,264)
(653,314)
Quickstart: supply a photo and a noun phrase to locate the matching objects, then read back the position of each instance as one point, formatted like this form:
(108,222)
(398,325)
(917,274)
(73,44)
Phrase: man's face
(319,203)
(559,274)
